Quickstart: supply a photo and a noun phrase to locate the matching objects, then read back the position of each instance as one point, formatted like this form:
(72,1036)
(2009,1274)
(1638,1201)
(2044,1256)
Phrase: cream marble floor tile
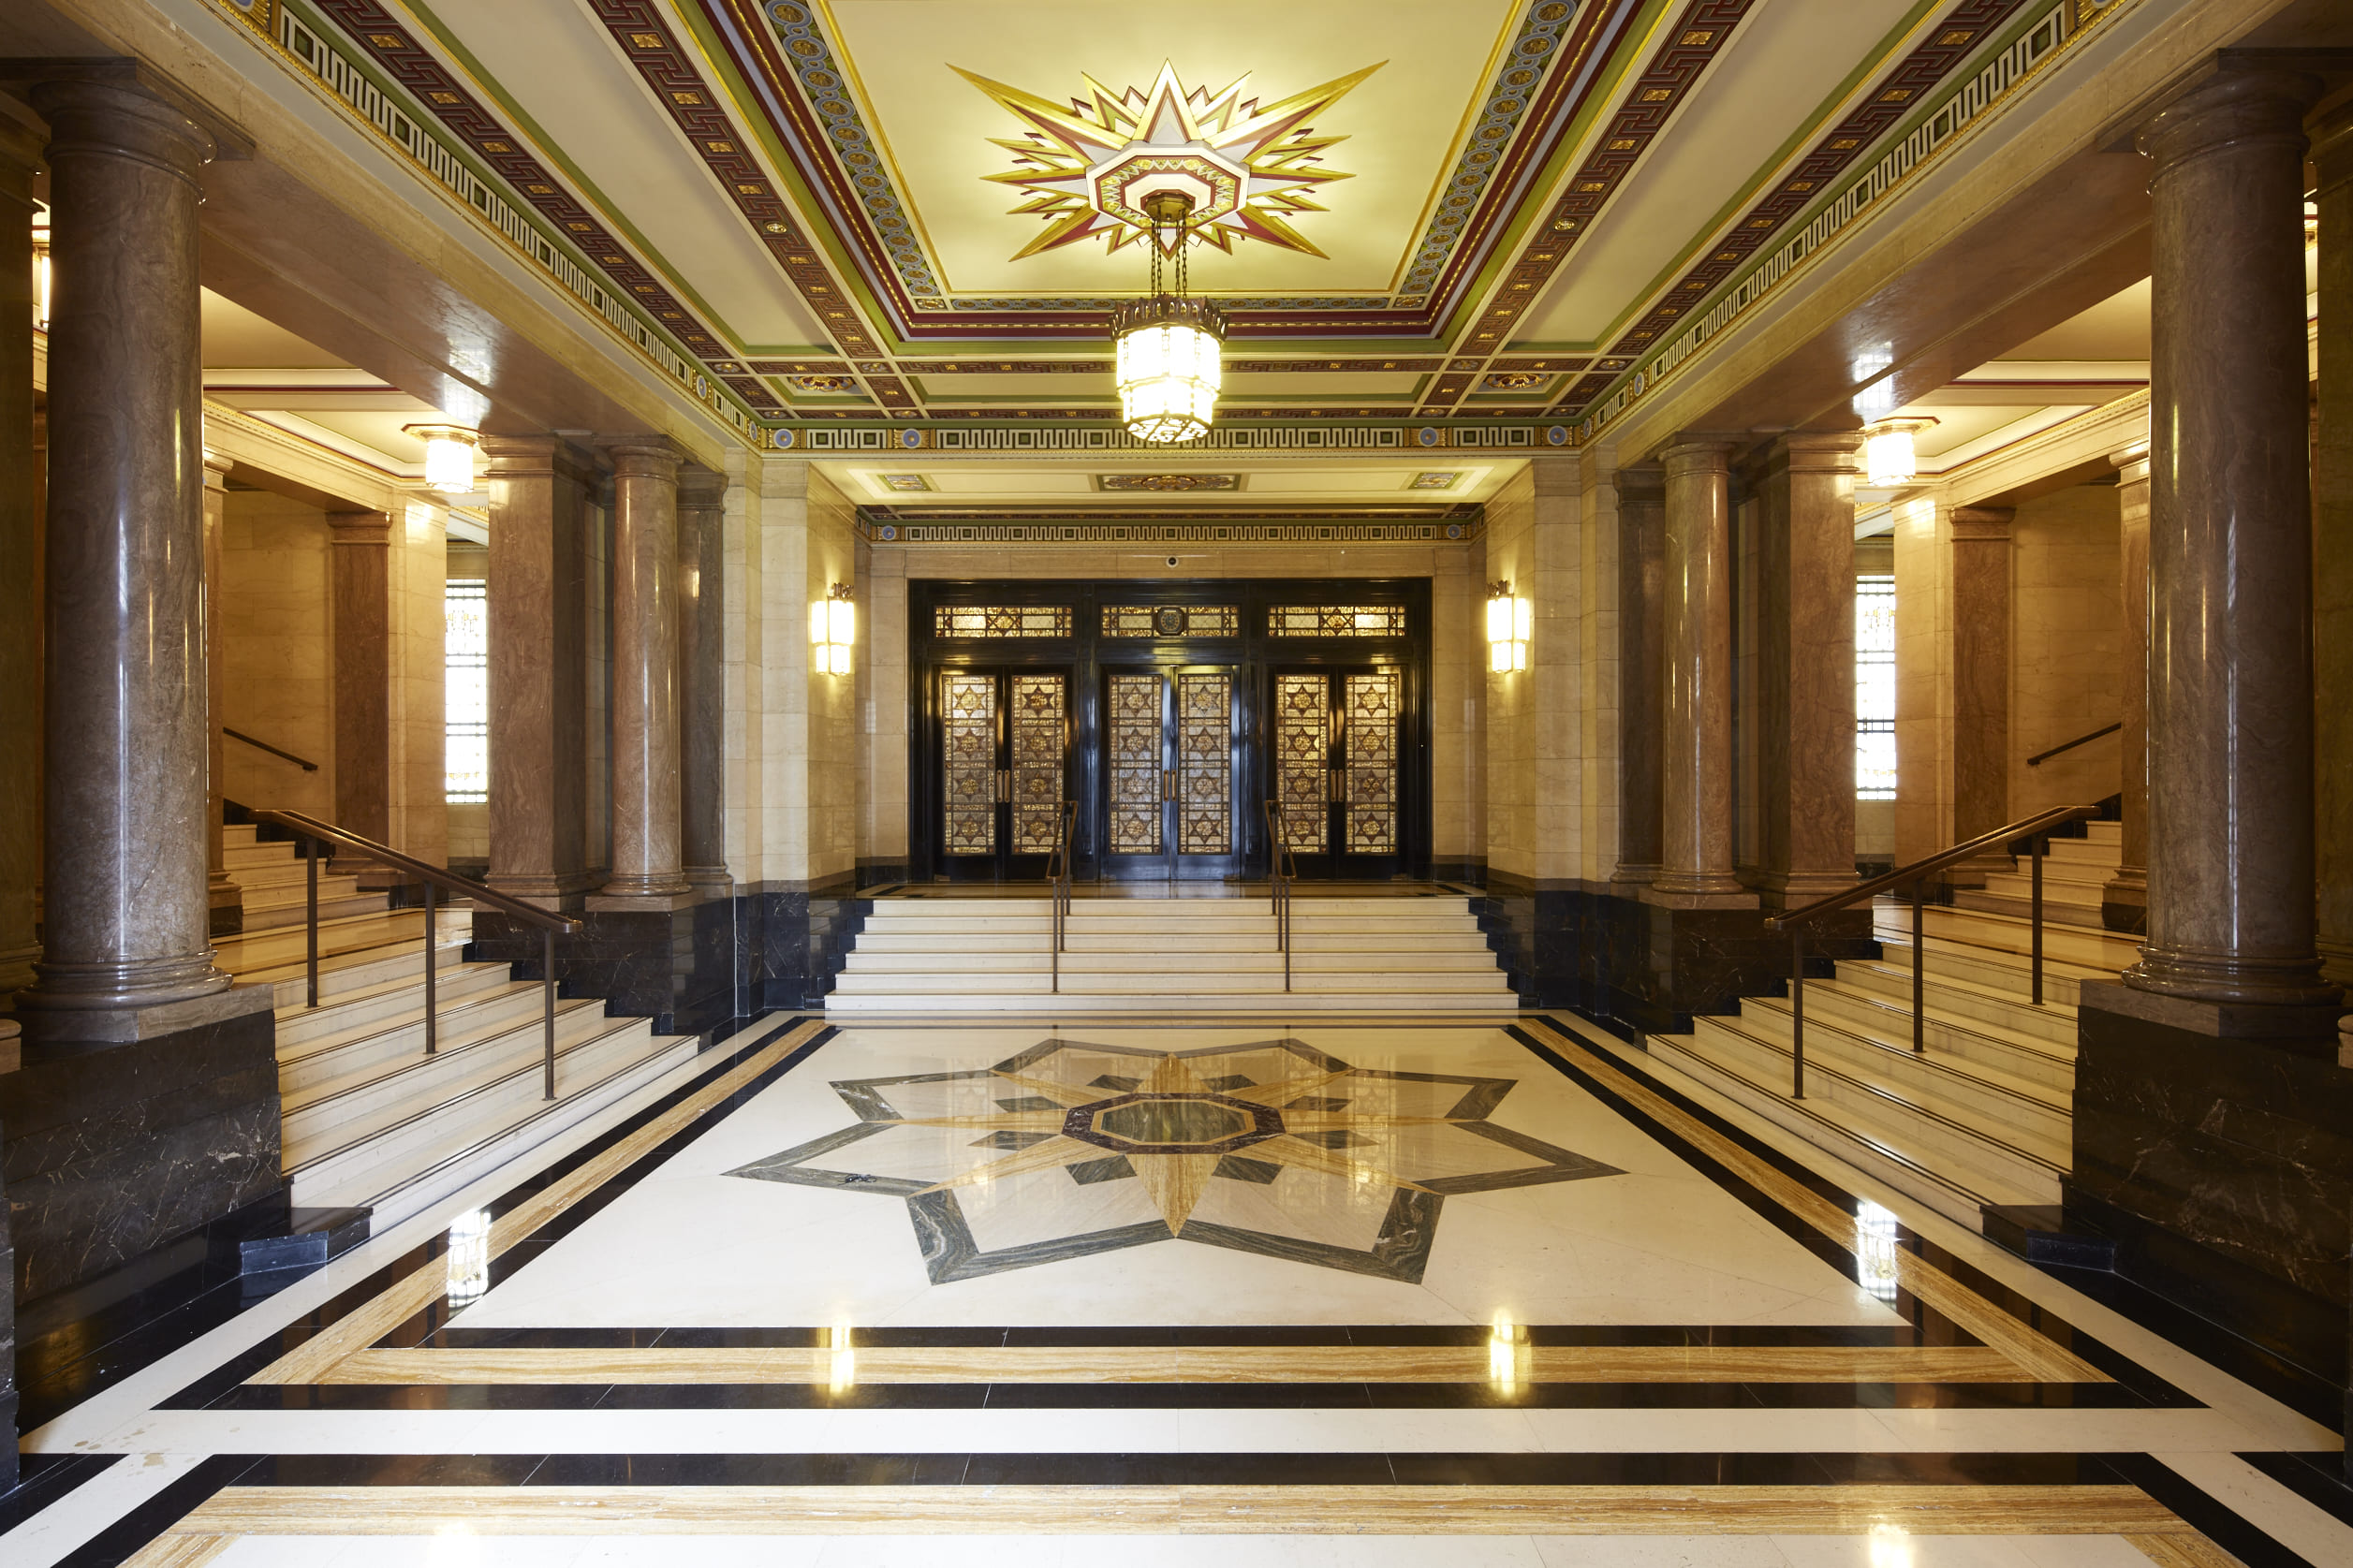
(2288,1518)
(64,1525)
(1895,1549)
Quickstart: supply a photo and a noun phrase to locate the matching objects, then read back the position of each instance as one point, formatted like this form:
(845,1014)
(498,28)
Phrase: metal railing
(2034,830)
(1058,875)
(313,832)
(305,764)
(2040,757)
(1281,878)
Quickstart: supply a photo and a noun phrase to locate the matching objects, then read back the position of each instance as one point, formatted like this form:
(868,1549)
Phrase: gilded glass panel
(1205,740)
(1303,726)
(1001,621)
(1133,731)
(1371,771)
(1335,621)
(1169,621)
(969,727)
(1038,705)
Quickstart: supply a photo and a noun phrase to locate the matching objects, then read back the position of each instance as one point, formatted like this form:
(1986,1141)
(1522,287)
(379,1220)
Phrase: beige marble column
(1805,646)
(2333,555)
(2124,900)
(127,952)
(703,676)
(361,597)
(1642,669)
(1696,749)
(2232,894)
(539,667)
(1980,680)
(20,554)
(225,899)
(646,852)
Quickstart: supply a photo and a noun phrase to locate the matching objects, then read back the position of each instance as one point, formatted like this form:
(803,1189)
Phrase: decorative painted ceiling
(1486,222)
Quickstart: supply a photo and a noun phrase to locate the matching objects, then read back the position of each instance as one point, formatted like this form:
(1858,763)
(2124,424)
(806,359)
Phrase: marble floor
(1332,1291)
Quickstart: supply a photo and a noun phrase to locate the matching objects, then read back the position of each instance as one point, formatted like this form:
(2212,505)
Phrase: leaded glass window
(1335,621)
(1001,621)
(465,691)
(1875,687)
(1167,620)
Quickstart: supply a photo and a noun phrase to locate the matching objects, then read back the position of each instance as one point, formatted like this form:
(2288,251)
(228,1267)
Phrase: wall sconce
(832,628)
(1510,624)
(449,456)
(1889,458)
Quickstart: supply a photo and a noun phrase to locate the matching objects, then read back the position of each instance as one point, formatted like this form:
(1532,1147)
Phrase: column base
(17,968)
(2124,901)
(1780,890)
(1671,898)
(607,901)
(560,895)
(1633,875)
(2263,986)
(51,1029)
(2220,1021)
(710,882)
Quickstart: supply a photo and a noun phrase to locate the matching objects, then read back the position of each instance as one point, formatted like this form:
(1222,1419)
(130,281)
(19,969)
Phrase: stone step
(294,892)
(1985,1009)
(1141,960)
(1303,939)
(1165,984)
(1959,1076)
(2086,952)
(1275,1003)
(473,1002)
(239,835)
(267,855)
(2060,880)
(2086,854)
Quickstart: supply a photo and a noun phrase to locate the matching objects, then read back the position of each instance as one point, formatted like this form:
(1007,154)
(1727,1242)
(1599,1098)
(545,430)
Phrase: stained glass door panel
(1004,746)
(1205,762)
(1339,769)
(1303,755)
(968,746)
(1134,735)
(1368,825)
(1040,712)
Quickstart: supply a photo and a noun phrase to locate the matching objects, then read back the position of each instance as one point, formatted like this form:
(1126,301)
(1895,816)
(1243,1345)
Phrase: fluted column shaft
(1642,668)
(701,674)
(20,555)
(646,846)
(1696,747)
(2230,675)
(2124,900)
(125,719)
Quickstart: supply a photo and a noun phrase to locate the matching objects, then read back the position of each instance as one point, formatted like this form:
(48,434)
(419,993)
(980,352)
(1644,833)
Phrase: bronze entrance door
(1337,736)
(1172,768)
(1004,746)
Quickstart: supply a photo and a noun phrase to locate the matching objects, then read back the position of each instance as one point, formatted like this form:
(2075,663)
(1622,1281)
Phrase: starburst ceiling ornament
(1093,167)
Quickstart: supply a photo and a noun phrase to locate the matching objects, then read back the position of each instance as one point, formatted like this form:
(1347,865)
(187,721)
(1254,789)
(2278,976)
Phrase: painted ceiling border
(886,525)
(1928,131)
(394,113)
(1063,436)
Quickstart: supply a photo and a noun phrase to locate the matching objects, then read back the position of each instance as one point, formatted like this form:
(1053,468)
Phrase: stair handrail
(305,764)
(2040,757)
(1280,880)
(2034,830)
(1058,877)
(313,832)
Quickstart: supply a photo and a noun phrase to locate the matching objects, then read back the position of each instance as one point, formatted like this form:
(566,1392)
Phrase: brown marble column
(1805,646)
(1696,750)
(703,676)
(1980,680)
(2232,894)
(359,564)
(127,951)
(646,849)
(1642,669)
(2124,900)
(20,554)
(539,667)
(225,899)
(2333,555)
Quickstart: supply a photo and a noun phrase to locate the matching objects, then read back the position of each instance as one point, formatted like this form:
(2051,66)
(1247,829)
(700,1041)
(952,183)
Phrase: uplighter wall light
(832,628)
(449,456)
(1510,622)
(1890,457)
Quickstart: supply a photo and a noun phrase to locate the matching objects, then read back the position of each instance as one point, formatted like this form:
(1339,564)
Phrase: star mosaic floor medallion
(1069,1149)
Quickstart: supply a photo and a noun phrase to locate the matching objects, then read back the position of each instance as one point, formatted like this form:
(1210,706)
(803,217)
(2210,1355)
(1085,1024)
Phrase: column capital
(642,455)
(216,467)
(517,456)
(2237,103)
(1983,522)
(360,528)
(1691,449)
(114,114)
(1641,484)
(1814,451)
(699,485)
(2132,464)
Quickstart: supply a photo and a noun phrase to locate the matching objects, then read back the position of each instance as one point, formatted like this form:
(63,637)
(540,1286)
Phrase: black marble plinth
(806,929)
(2224,1168)
(8,1346)
(112,1151)
(307,1238)
(2039,1233)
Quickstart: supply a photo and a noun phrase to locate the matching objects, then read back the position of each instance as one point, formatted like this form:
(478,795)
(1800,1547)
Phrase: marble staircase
(1985,1115)
(1195,954)
(275,882)
(370,1119)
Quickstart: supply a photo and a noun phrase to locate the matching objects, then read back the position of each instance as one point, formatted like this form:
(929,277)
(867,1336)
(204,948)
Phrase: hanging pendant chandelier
(1166,359)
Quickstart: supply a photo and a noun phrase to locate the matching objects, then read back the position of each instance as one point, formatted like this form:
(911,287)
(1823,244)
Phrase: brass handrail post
(2034,847)
(1796,1011)
(310,878)
(432,1035)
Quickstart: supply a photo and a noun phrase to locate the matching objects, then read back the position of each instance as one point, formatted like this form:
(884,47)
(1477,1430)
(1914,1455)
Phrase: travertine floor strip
(2182,1551)
(180,1551)
(2045,1361)
(1185,1510)
(1203,1364)
(311,1361)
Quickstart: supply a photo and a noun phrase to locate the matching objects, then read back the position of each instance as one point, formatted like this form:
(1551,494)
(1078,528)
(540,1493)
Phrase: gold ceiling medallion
(1095,167)
(1170,483)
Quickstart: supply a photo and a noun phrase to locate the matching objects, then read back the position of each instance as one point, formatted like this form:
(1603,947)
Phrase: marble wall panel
(2066,666)
(276,625)
(833,710)
(420,808)
(1924,674)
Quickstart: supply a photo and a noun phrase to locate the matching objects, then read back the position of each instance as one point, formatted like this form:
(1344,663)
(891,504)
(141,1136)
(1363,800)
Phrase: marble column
(20,555)
(647,864)
(127,951)
(1980,682)
(2333,575)
(1696,749)
(359,593)
(2124,900)
(2231,891)
(224,898)
(539,667)
(703,676)
(1805,645)
(1642,669)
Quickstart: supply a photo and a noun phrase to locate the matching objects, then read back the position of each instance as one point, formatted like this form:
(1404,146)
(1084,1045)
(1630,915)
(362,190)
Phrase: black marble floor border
(211,1385)
(2319,1478)
(142,1524)
(2148,1385)
(1056,1335)
(43,1478)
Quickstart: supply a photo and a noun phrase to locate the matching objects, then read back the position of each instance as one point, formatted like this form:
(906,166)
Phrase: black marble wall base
(113,1152)
(1641,968)
(2224,1167)
(696,970)
(1471,871)
(8,1350)
(881,874)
